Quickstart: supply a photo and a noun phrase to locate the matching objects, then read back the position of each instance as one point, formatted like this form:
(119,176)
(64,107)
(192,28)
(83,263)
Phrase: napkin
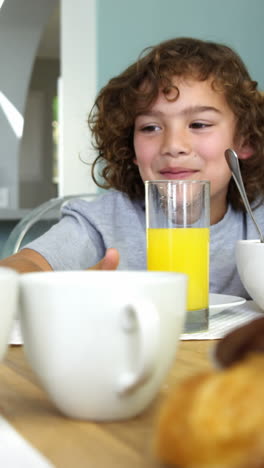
(16,451)
(225,321)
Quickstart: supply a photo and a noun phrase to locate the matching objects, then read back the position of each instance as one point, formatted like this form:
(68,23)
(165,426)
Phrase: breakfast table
(67,443)
(33,433)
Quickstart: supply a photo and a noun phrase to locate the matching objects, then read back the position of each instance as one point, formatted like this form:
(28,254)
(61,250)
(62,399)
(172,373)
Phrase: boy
(171,115)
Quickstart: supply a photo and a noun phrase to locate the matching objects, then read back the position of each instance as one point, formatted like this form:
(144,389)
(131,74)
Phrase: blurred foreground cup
(177,239)
(102,342)
(8,305)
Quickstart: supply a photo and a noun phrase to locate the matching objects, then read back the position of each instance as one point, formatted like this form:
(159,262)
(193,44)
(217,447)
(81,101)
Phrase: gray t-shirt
(87,229)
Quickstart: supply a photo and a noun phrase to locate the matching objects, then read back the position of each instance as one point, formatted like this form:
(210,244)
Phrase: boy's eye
(198,125)
(150,128)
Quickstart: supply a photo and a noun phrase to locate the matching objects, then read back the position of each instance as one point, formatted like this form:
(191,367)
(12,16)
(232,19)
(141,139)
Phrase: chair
(37,222)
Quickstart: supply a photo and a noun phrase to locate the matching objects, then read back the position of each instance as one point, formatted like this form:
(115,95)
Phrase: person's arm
(28,260)
(25,261)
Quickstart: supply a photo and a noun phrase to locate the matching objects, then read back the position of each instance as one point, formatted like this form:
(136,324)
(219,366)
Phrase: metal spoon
(233,163)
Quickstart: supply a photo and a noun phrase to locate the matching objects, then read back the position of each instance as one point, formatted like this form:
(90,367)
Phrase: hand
(109,262)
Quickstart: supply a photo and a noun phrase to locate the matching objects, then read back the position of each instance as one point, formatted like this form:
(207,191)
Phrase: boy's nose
(176,143)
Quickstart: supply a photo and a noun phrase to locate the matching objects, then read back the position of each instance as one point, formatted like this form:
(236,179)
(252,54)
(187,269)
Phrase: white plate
(220,302)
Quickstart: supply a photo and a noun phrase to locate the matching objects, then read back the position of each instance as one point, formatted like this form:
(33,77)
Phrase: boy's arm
(28,260)
(25,261)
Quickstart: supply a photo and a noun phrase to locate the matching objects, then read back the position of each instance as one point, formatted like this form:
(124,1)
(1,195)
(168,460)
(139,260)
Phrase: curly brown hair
(113,115)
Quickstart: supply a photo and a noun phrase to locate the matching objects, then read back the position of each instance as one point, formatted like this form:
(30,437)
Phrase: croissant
(215,419)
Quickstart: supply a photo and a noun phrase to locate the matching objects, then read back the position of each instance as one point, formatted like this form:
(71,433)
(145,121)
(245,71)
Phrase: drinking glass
(177,239)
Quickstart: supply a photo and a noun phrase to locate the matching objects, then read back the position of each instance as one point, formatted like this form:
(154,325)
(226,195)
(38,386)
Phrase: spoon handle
(233,163)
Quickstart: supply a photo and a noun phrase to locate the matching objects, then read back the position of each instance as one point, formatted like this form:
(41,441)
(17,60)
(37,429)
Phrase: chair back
(37,222)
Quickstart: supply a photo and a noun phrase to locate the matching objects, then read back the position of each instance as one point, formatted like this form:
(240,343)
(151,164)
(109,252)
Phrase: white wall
(76,96)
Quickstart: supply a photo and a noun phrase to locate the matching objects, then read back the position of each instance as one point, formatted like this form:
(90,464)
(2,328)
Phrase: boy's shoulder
(258,211)
(104,202)
(111,197)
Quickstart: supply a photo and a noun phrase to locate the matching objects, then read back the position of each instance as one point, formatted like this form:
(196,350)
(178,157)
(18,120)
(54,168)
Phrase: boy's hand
(109,262)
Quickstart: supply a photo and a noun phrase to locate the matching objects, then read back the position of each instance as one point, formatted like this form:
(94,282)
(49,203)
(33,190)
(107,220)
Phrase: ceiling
(49,46)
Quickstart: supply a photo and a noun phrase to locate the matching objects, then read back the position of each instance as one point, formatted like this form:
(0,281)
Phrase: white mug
(101,342)
(8,305)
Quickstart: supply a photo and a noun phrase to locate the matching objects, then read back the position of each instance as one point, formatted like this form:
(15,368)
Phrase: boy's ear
(135,161)
(245,151)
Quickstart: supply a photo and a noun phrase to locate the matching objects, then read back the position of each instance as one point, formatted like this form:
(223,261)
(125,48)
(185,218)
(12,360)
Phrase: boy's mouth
(178,173)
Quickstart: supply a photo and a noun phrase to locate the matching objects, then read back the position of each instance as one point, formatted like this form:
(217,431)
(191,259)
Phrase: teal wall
(125,27)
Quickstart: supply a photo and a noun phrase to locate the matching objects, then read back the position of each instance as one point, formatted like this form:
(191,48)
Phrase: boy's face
(187,138)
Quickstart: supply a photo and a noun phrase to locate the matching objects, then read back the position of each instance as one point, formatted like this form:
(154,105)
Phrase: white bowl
(250,265)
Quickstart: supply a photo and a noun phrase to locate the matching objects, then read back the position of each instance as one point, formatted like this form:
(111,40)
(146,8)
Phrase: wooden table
(79,444)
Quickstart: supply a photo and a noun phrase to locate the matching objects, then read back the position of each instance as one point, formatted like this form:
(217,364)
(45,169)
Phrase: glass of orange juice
(177,237)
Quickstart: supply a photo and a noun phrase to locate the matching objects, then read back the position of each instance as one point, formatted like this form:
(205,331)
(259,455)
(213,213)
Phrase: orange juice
(185,250)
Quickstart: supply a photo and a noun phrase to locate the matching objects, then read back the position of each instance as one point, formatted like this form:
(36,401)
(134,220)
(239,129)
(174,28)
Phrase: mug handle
(143,318)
